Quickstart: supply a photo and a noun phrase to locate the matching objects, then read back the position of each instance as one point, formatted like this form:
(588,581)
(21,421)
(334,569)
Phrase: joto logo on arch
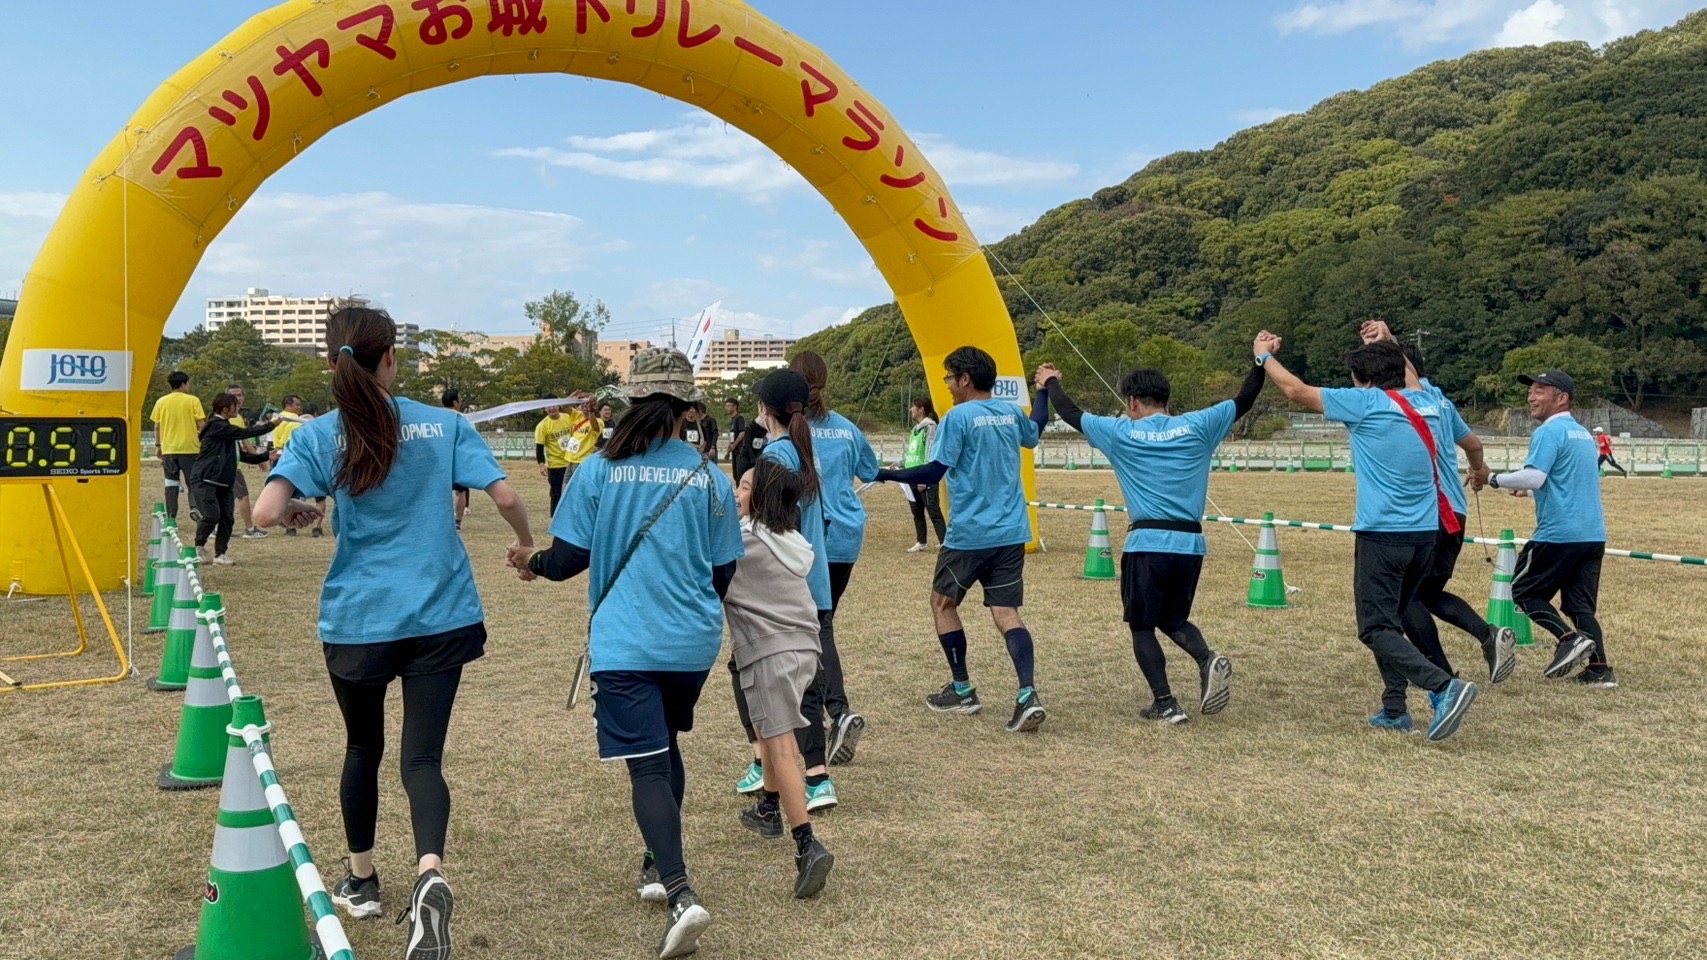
(98,371)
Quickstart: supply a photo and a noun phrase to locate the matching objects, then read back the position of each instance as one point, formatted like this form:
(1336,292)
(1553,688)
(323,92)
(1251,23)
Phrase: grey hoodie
(769,606)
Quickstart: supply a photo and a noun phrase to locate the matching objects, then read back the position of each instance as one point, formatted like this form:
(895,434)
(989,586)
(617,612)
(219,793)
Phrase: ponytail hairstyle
(775,496)
(816,373)
(648,419)
(800,431)
(357,339)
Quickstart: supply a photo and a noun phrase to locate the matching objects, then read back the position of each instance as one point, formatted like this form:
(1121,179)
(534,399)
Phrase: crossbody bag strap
(1448,518)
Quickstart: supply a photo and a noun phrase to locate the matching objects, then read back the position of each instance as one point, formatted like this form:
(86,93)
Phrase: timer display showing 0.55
(61,447)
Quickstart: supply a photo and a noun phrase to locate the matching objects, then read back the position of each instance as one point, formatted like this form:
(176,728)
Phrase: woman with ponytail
(658,527)
(399,599)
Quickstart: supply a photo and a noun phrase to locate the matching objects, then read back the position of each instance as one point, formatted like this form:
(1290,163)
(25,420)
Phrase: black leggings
(554,477)
(926,500)
(218,510)
(659,782)
(1433,602)
(427,701)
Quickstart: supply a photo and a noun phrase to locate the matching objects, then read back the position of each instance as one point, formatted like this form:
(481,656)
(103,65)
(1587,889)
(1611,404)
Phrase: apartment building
(295,323)
(620,354)
(732,353)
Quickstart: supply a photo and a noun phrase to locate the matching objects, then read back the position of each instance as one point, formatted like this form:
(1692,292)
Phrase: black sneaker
(1572,648)
(1168,711)
(765,823)
(650,886)
(358,898)
(1028,714)
(429,913)
(290,531)
(688,920)
(948,701)
(1499,648)
(1215,675)
(812,868)
(195,515)
(845,732)
(317,533)
(1598,675)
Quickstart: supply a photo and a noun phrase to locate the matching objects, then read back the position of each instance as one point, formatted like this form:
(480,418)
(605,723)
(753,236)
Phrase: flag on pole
(701,341)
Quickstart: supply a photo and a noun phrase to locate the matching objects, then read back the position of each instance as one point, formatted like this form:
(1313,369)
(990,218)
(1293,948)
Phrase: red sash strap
(1448,518)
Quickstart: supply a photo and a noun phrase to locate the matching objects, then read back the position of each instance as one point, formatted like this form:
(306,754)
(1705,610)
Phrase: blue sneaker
(820,797)
(1399,724)
(1450,705)
(754,781)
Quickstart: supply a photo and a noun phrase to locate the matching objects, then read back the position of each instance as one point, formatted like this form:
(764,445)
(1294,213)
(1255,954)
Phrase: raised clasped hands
(1374,331)
(1046,373)
(1265,343)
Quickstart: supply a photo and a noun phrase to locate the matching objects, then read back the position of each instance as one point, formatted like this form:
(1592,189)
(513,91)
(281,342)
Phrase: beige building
(730,354)
(620,354)
(295,323)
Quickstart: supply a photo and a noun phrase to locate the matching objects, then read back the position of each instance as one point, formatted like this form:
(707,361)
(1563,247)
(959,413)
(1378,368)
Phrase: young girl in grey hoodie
(773,631)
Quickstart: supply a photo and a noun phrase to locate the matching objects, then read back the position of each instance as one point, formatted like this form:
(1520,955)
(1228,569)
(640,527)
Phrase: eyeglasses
(951,378)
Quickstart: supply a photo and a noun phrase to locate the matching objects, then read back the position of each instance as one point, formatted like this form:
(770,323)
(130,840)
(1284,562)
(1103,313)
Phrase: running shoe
(688,920)
(1399,724)
(650,886)
(290,531)
(765,823)
(195,515)
(1598,675)
(1500,650)
(821,797)
(845,732)
(1168,711)
(1450,705)
(754,781)
(1028,714)
(429,913)
(254,533)
(1571,648)
(1216,675)
(948,701)
(224,561)
(812,868)
(358,897)
(318,533)
(917,548)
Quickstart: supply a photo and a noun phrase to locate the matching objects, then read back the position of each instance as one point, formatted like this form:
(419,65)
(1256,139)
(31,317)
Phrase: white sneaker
(917,548)
(224,561)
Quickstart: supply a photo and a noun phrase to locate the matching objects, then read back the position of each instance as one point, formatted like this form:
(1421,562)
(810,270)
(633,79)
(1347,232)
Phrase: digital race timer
(62,447)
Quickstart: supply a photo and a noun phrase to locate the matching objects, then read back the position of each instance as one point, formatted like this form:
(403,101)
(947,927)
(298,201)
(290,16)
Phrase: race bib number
(607,432)
(571,443)
(758,444)
(693,436)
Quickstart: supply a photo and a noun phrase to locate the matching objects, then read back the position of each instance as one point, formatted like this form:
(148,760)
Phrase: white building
(295,323)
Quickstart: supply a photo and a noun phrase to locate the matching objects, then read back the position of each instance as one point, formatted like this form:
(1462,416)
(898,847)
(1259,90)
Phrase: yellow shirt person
(556,433)
(175,417)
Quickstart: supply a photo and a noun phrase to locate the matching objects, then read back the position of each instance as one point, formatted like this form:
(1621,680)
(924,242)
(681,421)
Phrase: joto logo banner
(96,371)
(1011,389)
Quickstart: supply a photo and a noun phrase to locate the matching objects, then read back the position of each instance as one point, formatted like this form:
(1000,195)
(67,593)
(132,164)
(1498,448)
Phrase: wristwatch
(1263,358)
(1494,480)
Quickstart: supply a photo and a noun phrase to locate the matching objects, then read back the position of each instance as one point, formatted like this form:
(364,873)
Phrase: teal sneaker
(754,781)
(820,797)
(1450,705)
(1399,724)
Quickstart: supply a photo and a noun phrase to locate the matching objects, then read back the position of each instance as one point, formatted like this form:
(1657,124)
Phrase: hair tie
(346,348)
(794,408)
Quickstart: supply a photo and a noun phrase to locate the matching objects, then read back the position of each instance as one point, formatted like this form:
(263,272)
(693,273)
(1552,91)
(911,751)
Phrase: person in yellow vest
(178,419)
(563,440)
(281,438)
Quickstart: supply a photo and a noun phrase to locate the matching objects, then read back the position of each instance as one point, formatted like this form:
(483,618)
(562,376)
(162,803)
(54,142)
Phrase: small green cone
(1099,555)
(153,553)
(251,907)
(180,629)
(199,760)
(1502,612)
(166,580)
(1232,466)
(1666,474)
(1268,582)
(1290,468)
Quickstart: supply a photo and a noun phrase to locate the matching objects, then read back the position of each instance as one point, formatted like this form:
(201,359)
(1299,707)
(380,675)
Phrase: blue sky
(455,206)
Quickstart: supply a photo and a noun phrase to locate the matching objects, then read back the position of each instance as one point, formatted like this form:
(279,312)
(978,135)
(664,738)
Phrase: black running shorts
(1158,588)
(999,570)
(635,712)
(411,657)
(1571,570)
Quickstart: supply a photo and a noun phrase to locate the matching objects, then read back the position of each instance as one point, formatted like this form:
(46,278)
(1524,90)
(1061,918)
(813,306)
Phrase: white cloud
(993,223)
(1260,115)
(704,152)
(1497,22)
(813,259)
(25,219)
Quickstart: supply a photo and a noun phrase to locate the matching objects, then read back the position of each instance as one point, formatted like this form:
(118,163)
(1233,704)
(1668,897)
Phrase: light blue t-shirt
(1395,474)
(1162,463)
(662,612)
(399,568)
(1451,429)
(1567,506)
(843,456)
(811,522)
(979,441)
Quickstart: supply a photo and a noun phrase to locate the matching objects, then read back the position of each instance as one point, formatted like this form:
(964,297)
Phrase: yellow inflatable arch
(96,300)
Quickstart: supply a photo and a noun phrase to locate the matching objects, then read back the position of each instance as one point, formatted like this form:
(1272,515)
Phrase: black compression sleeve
(1064,404)
(720,577)
(1248,392)
(1040,411)
(927,474)
(560,561)
(539,452)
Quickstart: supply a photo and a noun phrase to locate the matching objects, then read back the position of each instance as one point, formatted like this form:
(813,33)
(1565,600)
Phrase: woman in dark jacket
(215,470)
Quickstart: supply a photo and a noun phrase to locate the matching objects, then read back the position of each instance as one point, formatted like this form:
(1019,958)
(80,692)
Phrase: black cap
(1552,378)
(784,391)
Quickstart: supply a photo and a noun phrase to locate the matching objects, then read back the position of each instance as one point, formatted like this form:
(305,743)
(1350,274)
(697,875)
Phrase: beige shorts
(774,687)
(239,486)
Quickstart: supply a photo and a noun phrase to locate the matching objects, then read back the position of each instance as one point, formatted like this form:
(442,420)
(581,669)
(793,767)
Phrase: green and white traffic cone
(199,760)
(167,581)
(251,907)
(180,627)
(153,554)
(1099,555)
(1502,611)
(1268,583)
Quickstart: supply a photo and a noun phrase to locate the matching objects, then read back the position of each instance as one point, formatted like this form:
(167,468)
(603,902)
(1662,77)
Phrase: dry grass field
(1560,823)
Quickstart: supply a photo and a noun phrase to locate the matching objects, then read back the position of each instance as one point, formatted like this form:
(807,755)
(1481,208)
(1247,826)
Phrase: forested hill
(1488,201)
